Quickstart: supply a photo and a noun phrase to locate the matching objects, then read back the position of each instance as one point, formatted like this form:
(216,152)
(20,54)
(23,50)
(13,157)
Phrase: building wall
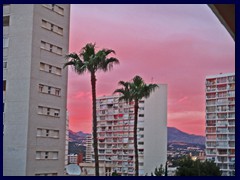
(220,121)
(23,140)
(155,130)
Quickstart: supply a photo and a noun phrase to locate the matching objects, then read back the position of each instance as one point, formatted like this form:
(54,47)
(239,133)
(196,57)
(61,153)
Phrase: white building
(220,121)
(115,132)
(35,41)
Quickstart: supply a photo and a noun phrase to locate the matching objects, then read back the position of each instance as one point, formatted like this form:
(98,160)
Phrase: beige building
(115,133)
(220,121)
(35,40)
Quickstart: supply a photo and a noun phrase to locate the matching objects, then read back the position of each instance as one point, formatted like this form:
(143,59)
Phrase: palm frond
(108,63)
(69,63)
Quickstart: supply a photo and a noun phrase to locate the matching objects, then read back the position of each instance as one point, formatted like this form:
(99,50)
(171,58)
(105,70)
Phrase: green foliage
(90,61)
(135,90)
(115,174)
(159,171)
(188,167)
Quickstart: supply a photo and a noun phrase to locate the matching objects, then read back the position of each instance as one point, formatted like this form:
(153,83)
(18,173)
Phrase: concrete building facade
(220,121)
(35,40)
(115,132)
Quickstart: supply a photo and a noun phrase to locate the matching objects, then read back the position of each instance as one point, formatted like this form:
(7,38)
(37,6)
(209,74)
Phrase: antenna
(152,80)
(73,169)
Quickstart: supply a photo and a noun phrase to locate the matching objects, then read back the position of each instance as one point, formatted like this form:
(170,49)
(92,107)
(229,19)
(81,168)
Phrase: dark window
(4,85)
(6,20)
(141,115)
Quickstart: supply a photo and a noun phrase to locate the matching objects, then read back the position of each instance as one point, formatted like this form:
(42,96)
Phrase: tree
(166,169)
(188,167)
(135,91)
(159,171)
(90,61)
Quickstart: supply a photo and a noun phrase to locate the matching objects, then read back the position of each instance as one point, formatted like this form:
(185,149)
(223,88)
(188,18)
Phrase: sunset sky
(178,45)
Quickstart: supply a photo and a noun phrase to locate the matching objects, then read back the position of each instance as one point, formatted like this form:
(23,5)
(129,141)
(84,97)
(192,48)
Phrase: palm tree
(135,91)
(90,61)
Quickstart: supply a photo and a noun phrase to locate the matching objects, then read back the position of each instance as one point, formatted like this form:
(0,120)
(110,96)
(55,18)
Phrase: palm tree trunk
(94,115)
(135,136)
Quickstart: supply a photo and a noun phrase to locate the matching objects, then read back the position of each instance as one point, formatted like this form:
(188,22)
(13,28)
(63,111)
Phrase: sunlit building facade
(220,121)
(115,133)
(35,41)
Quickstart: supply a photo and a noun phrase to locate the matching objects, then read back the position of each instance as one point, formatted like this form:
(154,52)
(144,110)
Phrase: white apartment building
(220,121)
(35,41)
(115,132)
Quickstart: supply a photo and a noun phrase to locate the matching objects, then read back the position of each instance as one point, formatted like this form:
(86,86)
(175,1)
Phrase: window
(51,48)
(46,155)
(4,64)
(46,174)
(49,90)
(42,66)
(4,85)
(141,129)
(58,71)
(142,101)
(40,110)
(5,42)
(56,113)
(38,155)
(48,111)
(141,115)
(6,20)
(140,143)
(52,27)
(54,155)
(47,132)
(50,69)
(57,92)
(41,87)
(3,107)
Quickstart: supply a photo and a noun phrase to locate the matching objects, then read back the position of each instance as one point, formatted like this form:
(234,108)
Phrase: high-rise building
(115,132)
(35,41)
(220,121)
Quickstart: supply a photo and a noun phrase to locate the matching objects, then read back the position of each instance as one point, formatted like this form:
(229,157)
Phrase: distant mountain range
(77,136)
(174,135)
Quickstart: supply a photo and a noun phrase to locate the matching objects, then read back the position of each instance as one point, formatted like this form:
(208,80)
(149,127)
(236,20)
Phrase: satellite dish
(73,169)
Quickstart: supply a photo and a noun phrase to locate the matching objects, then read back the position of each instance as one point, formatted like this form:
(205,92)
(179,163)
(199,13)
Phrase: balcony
(222,124)
(209,83)
(222,131)
(211,97)
(210,89)
(221,89)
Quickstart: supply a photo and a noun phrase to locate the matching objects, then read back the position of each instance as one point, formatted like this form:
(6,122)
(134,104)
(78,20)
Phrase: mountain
(175,135)
(79,137)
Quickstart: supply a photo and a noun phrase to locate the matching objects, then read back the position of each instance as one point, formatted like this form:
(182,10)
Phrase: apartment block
(115,133)
(220,121)
(35,41)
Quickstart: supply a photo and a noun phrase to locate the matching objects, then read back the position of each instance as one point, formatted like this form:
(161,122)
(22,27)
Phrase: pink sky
(178,45)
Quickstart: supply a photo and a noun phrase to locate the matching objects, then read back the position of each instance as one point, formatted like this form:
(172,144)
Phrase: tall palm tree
(135,91)
(90,61)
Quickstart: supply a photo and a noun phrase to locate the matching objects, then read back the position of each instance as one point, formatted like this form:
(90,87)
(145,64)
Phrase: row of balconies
(116,130)
(119,123)
(219,110)
(220,96)
(220,117)
(214,89)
